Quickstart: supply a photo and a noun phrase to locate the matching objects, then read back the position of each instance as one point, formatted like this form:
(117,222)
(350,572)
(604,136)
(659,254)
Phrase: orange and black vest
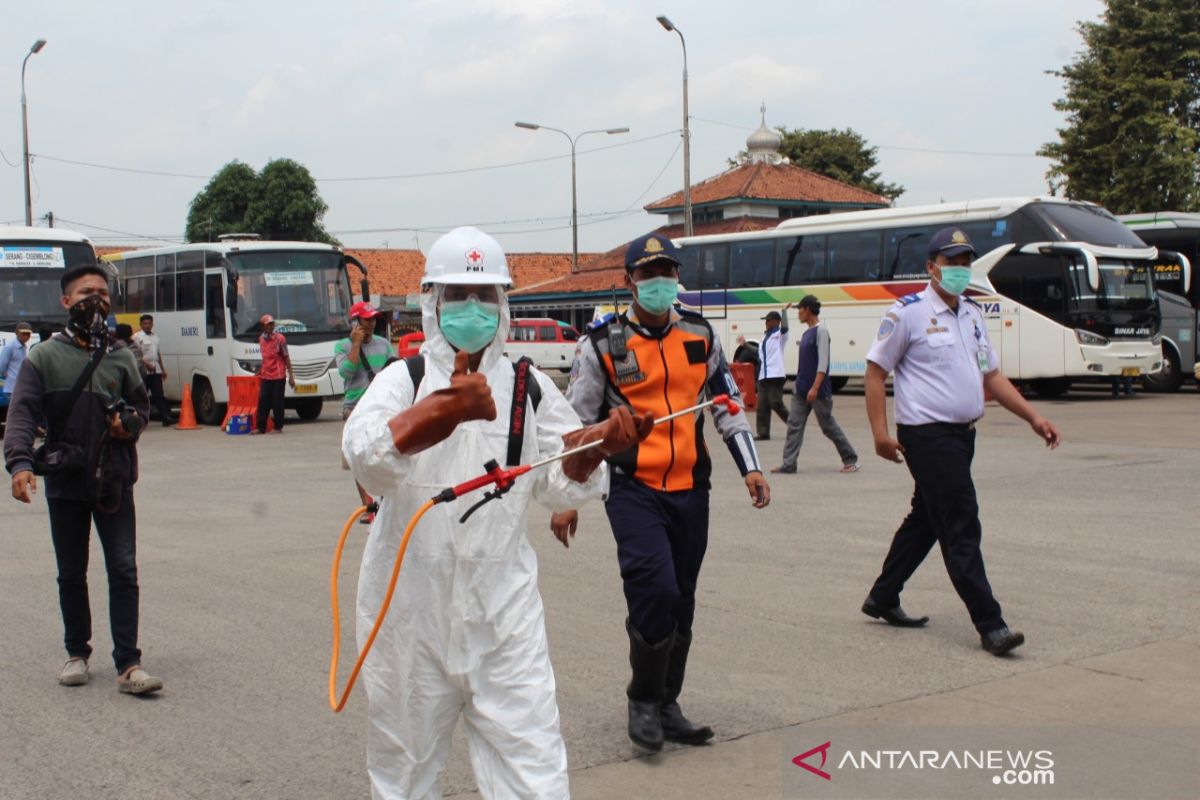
(663,371)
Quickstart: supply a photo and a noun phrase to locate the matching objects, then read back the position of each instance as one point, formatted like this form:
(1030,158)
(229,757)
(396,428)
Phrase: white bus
(207,300)
(1067,290)
(32,260)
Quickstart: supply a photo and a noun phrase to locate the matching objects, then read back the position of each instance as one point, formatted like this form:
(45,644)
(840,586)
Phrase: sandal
(138,681)
(849,468)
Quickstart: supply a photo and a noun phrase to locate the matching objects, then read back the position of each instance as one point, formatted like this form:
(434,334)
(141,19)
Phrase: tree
(280,203)
(1133,110)
(220,207)
(842,155)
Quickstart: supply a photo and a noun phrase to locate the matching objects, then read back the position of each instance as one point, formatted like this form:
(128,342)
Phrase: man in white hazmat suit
(466,629)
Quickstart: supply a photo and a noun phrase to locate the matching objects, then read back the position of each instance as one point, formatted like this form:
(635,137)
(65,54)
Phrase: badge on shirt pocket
(628,370)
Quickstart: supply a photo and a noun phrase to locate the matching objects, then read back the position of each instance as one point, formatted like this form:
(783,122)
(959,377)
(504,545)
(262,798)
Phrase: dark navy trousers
(661,539)
(944,510)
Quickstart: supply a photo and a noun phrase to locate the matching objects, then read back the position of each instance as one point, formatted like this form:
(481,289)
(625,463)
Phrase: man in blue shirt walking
(814,393)
(12,356)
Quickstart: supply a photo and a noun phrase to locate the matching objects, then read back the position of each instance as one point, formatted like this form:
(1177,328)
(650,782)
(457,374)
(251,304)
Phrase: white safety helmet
(466,256)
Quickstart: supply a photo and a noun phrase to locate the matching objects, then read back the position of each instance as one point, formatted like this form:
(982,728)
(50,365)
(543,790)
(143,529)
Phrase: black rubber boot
(649,664)
(676,727)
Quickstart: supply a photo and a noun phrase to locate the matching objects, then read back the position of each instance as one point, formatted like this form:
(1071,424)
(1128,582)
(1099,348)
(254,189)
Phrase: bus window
(689,270)
(164,278)
(214,315)
(714,266)
(906,250)
(752,264)
(1079,223)
(854,256)
(801,260)
(989,234)
(189,281)
(139,284)
(1035,281)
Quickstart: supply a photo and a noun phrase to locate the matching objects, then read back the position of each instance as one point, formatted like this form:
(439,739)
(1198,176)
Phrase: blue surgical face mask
(954,279)
(469,324)
(657,295)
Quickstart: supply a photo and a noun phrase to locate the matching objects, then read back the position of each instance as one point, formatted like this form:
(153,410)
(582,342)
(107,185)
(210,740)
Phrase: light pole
(687,137)
(574,203)
(37,48)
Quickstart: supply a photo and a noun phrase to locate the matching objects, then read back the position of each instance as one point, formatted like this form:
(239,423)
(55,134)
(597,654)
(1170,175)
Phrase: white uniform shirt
(939,356)
(148,342)
(770,354)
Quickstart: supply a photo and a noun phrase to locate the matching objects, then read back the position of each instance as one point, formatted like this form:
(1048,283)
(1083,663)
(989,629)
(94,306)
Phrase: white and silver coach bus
(207,300)
(1068,291)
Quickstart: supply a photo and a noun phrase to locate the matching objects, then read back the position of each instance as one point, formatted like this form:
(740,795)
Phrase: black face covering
(87,319)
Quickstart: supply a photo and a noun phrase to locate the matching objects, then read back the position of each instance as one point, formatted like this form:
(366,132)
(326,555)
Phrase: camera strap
(76,390)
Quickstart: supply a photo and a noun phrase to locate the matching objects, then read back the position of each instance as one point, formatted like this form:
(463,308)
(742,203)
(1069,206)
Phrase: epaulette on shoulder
(597,324)
(909,299)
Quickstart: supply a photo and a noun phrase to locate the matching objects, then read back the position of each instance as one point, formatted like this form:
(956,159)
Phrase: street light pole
(532,126)
(37,48)
(687,137)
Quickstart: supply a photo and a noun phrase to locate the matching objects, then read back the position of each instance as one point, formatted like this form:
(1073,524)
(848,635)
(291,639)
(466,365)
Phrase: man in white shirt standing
(153,371)
(771,371)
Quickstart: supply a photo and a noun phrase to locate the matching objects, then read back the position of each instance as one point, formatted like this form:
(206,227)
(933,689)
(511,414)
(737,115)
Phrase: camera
(127,414)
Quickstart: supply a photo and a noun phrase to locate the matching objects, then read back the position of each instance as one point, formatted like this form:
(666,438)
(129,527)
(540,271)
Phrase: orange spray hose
(334,702)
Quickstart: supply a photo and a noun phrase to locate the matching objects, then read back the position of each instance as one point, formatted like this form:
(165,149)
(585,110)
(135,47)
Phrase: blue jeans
(71,529)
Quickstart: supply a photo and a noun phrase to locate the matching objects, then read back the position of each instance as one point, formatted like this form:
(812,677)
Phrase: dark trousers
(270,400)
(661,539)
(944,510)
(770,398)
(154,385)
(71,528)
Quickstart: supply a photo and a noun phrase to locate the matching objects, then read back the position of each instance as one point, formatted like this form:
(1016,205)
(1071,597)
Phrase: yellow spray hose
(334,702)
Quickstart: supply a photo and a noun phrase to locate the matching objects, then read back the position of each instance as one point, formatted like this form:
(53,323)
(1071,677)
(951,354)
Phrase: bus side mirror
(366,290)
(1185,267)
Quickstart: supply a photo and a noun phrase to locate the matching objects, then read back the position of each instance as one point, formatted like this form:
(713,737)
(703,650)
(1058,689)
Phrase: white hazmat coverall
(466,630)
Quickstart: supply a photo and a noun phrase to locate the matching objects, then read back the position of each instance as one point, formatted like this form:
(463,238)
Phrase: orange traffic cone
(187,414)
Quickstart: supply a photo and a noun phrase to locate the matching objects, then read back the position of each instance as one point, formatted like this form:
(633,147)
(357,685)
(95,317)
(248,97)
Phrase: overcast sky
(398,90)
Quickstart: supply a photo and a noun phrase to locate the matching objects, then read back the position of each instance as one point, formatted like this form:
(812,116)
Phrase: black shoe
(678,728)
(645,728)
(782,470)
(646,687)
(892,616)
(1000,641)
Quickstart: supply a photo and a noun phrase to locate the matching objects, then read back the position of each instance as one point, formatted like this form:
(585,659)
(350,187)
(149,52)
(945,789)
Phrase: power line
(897,147)
(74,222)
(364,178)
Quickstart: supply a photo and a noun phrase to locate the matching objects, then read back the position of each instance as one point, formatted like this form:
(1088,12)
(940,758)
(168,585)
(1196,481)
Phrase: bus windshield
(305,291)
(29,279)
(1124,286)
(1080,223)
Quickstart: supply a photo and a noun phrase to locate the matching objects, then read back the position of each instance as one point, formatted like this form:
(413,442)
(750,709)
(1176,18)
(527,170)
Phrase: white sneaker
(138,681)
(74,672)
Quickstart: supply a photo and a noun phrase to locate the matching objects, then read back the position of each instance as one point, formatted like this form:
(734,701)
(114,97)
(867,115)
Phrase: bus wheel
(208,410)
(1050,387)
(837,384)
(1171,376)
(310,407)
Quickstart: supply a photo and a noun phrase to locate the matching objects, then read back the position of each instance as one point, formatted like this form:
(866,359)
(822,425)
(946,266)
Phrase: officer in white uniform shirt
(936,342)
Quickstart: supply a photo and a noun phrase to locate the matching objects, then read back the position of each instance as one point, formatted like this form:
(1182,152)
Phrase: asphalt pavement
(1091,549)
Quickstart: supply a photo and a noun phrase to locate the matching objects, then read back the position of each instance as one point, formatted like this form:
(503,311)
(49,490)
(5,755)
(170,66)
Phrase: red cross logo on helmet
(475,259)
